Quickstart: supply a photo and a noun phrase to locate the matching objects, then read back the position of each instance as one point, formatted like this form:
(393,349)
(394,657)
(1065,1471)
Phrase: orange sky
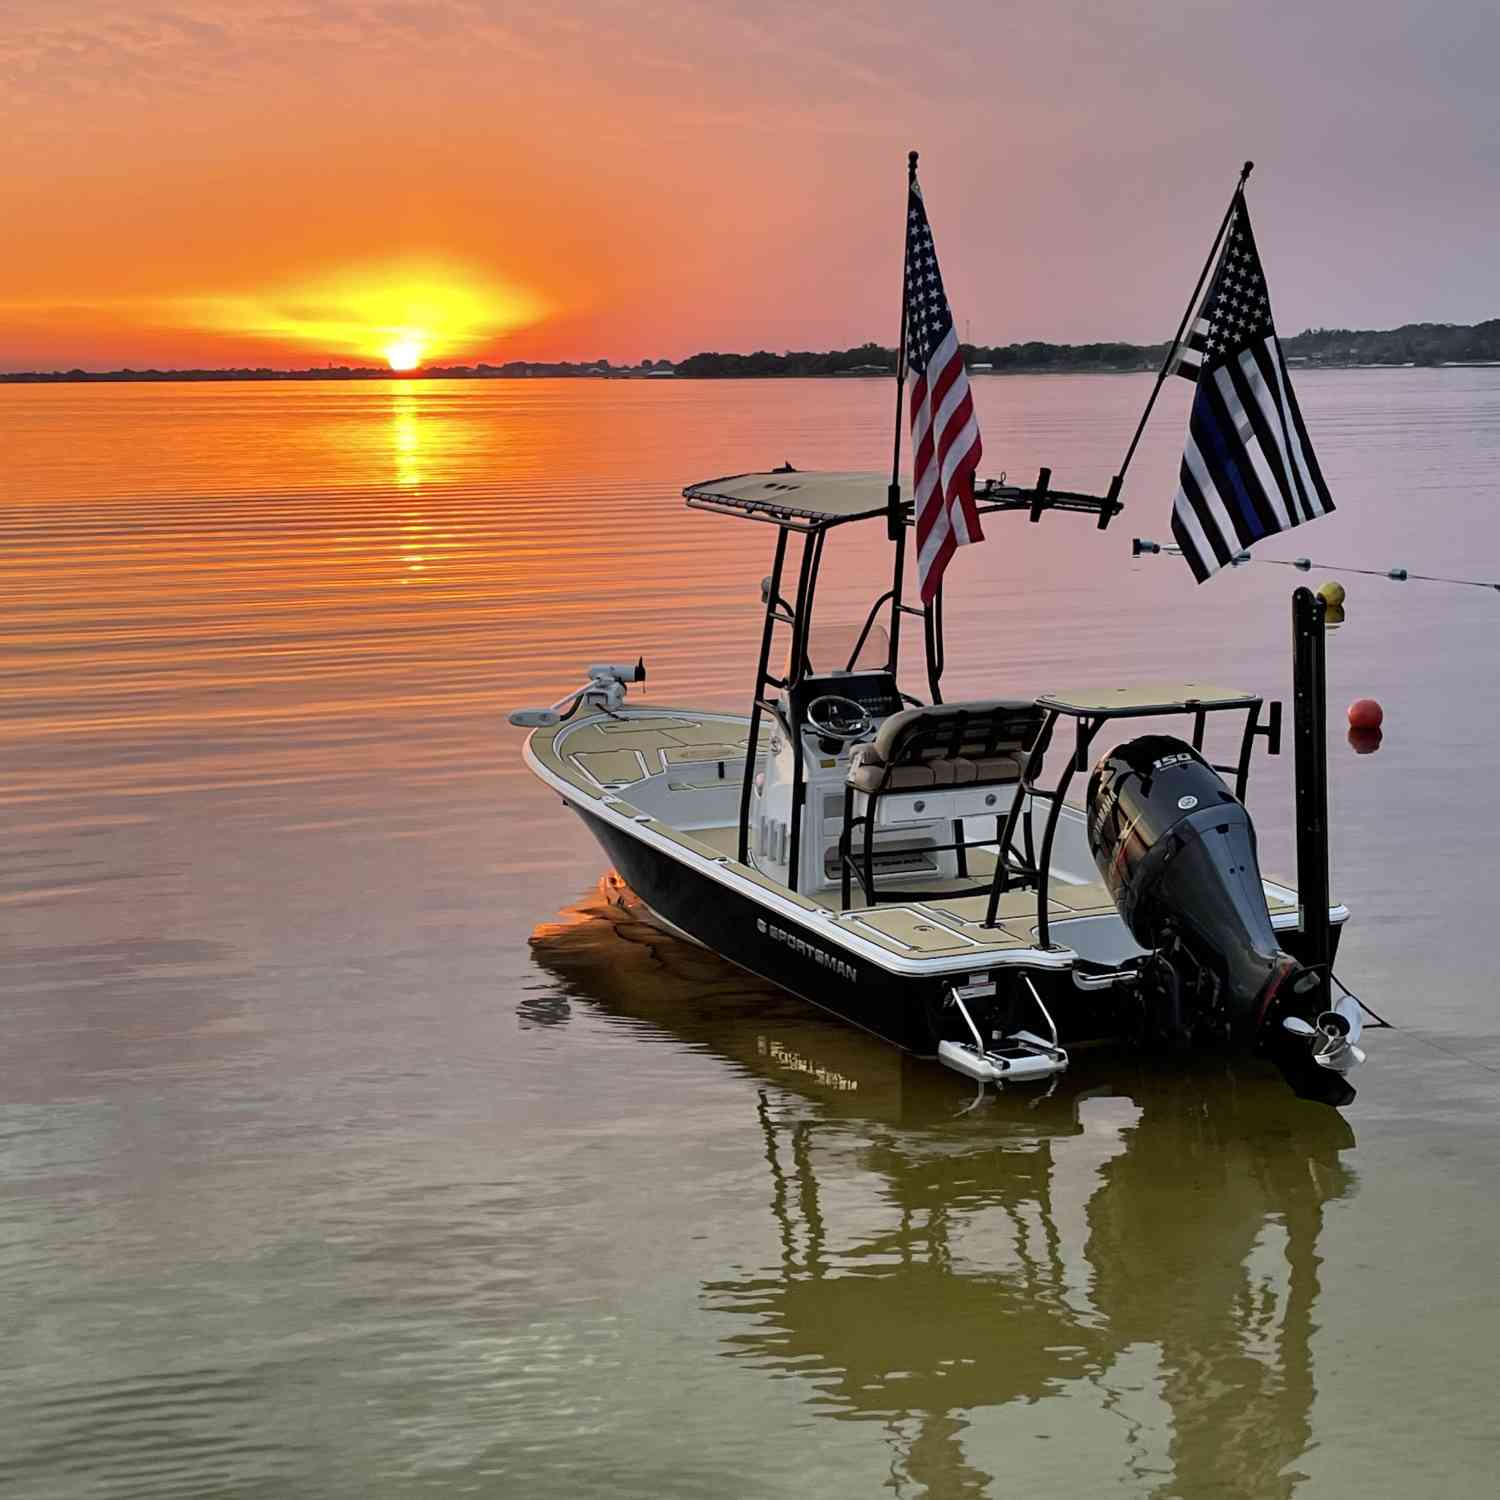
(285,182)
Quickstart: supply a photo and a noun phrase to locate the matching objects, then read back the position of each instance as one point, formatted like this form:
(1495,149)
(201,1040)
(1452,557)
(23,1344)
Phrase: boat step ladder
(1016,1057)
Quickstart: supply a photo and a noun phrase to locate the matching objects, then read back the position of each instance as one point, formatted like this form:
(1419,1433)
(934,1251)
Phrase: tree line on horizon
(1412,344)
(1423,344)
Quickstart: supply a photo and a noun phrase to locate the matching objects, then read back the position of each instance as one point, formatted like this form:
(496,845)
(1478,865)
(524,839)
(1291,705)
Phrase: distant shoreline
(229,377)
(1422,345)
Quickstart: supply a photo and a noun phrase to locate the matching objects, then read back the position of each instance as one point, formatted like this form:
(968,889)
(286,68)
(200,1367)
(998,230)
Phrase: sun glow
(405,353)
(401,313)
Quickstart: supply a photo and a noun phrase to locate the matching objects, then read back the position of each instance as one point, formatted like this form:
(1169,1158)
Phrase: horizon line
(646,366)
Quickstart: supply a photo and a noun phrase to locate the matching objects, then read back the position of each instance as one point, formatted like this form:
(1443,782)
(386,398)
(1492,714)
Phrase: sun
(405,352)
(409,315)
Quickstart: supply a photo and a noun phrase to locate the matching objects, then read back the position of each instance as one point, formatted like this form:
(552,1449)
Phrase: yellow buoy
(1331,592)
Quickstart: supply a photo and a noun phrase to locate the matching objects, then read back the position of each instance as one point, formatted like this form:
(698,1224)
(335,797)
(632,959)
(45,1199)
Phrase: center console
(875,692)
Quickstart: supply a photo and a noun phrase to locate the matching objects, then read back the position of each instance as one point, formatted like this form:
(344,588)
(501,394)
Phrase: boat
(919,868)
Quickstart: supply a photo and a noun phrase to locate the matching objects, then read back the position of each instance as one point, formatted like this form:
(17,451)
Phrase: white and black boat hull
(925,970)
(903,1009)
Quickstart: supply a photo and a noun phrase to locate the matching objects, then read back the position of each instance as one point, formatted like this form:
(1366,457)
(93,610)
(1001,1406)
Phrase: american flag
(1248,469)
(944,435)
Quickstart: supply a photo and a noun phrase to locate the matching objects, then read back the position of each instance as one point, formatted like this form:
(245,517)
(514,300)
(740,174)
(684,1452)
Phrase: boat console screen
(875,692)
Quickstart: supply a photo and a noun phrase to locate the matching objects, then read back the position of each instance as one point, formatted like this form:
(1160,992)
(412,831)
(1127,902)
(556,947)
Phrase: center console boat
(918,867)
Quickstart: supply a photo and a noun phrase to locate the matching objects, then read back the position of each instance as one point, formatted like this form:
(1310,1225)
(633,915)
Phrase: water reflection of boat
(608,954)
(1151,1230)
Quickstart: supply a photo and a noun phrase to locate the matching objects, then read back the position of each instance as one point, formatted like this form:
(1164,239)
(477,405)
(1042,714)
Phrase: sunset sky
(286,182)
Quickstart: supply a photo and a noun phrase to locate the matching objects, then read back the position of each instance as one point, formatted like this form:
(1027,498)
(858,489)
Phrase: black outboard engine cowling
(1177,850)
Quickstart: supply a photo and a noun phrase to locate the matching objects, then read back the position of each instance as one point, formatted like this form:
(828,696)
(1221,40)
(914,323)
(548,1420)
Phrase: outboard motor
(1177,850)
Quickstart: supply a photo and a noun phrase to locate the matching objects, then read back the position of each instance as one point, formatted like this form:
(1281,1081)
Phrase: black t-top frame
(991,496)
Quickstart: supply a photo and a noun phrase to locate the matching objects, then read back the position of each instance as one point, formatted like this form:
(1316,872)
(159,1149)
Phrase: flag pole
(895,522)
(1166,364)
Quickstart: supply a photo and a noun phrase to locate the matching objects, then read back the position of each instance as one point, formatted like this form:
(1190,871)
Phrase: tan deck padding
(611,767)
(885,927)
(630,724)
(685,839)
(1000,936)
(704,754)
(593,737)
(545,751)
(1090,897)
(974,908)
(724,840)
(756,878)
(912,929)
(625,809)
(712,732)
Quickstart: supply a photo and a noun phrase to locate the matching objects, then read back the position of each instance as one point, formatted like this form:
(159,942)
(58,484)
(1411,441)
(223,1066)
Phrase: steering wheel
(836,718)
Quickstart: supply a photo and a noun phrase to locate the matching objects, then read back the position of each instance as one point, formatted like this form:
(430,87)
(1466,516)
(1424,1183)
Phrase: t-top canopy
(790,497)
(1144,699)
(802,501)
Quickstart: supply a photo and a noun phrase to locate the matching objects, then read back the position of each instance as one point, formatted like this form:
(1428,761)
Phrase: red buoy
(1365,713)
(1365,741)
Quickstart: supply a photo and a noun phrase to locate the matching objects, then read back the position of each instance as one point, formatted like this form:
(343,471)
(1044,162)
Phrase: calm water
(356,1138)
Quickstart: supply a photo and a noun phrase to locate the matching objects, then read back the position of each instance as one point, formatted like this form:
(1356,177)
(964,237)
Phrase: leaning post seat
(948,744)
(983,743)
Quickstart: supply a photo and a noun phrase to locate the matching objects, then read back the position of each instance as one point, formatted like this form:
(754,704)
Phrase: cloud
(716,169)
(121,48)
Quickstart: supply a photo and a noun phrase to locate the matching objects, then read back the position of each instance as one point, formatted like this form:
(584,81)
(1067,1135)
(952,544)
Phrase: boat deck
(947,923)
(676,773)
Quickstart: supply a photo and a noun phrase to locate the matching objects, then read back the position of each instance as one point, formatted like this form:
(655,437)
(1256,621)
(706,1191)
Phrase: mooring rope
(1143,546)
(1416,1036)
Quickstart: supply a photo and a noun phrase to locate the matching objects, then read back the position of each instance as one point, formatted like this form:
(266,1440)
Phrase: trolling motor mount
(604,690)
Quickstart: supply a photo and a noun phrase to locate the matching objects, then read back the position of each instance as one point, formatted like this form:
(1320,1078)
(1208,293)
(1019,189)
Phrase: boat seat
(948,744)
(943,749)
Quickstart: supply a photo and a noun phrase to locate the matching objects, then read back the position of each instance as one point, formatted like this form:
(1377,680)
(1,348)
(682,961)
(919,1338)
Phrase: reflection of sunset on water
(360,1135)
(406,439)
(274,859)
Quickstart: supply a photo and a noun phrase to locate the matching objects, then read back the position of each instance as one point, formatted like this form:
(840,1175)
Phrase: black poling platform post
(1039,495)
(1111,502)
(1310,741)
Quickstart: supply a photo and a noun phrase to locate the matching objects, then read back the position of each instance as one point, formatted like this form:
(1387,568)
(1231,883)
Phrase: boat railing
(1028,867)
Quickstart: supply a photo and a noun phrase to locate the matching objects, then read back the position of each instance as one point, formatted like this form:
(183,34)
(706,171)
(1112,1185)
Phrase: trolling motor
(605,690)
(1177,851)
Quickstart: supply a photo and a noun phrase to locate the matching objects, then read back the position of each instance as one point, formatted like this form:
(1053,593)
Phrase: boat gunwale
(745,880)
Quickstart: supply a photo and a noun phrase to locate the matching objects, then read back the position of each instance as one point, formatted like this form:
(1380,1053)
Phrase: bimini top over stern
(796,499)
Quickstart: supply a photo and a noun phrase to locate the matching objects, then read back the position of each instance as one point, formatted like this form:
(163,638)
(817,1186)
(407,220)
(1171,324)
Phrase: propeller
(1315,1056)
(1332,1038)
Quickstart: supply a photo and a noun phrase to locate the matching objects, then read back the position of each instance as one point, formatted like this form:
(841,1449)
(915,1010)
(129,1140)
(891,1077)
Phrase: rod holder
(1039,495)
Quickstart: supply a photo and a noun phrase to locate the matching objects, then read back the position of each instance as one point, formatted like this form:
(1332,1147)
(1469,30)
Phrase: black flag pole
(895,522)
(1166,365)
